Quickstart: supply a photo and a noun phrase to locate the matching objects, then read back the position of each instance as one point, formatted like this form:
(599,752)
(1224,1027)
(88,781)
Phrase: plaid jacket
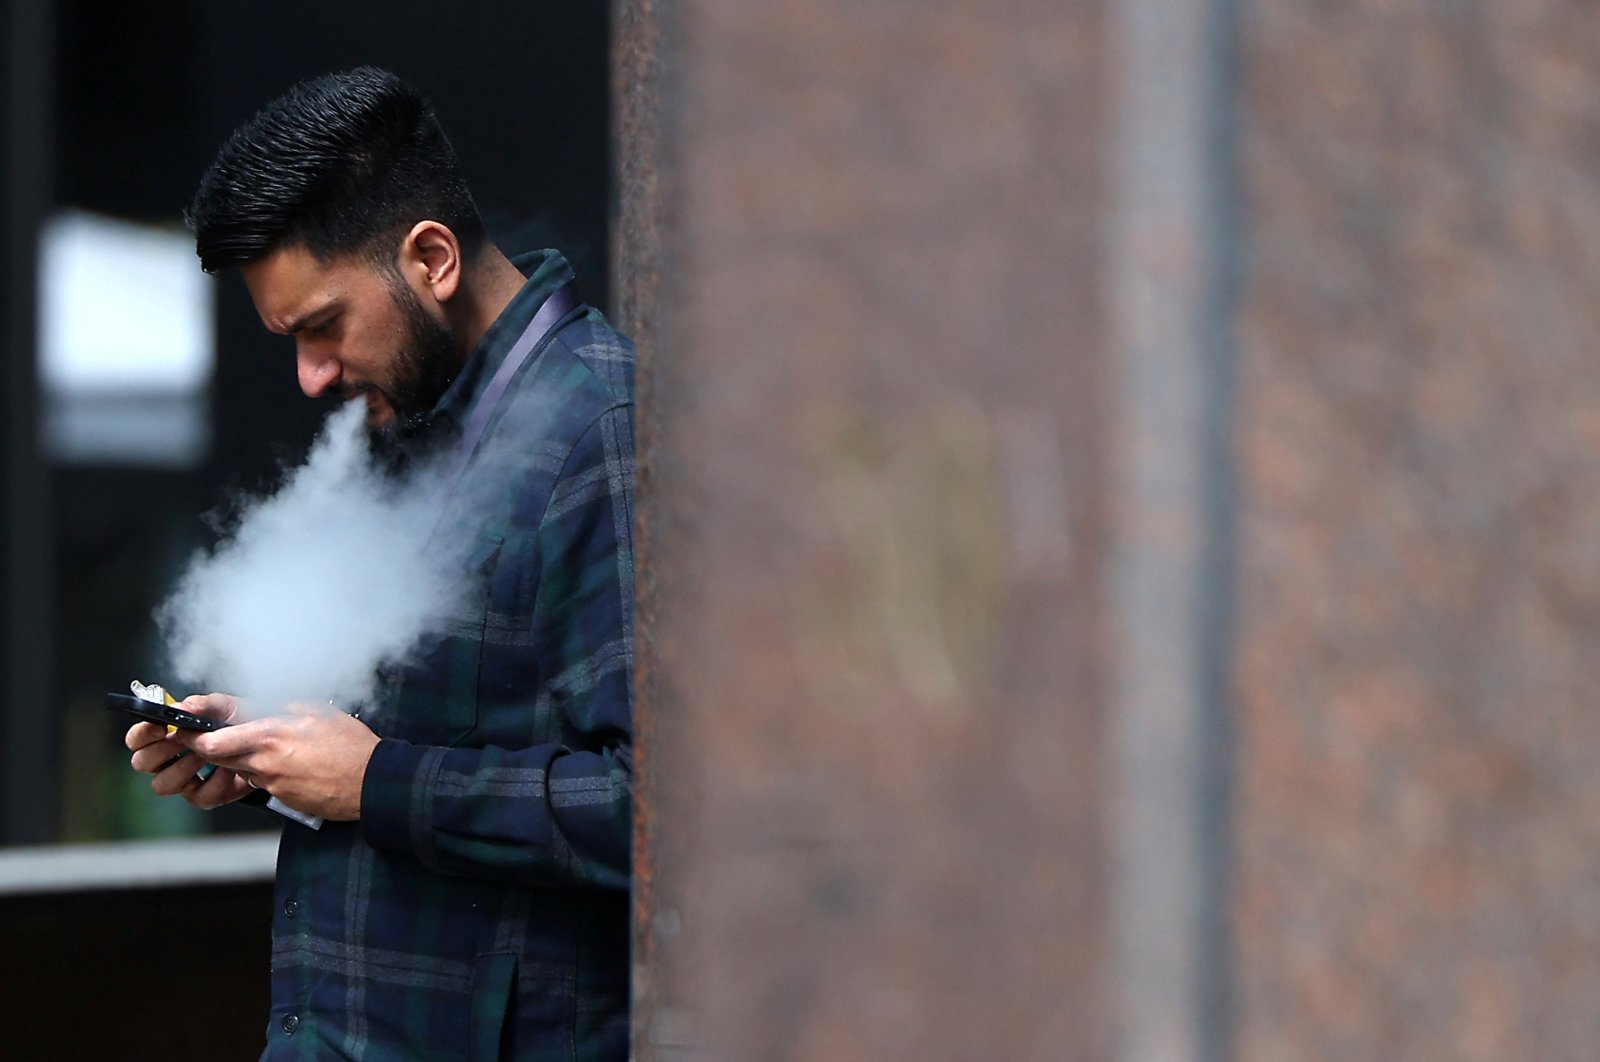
(479,908)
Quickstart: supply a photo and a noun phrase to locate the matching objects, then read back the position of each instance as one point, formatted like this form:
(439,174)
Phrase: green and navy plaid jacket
(479,908)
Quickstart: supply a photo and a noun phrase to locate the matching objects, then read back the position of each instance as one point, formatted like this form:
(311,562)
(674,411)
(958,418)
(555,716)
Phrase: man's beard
(419,373)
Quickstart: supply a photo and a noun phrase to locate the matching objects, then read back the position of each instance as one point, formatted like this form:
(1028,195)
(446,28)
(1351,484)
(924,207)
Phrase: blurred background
(1118,571)
(143,394)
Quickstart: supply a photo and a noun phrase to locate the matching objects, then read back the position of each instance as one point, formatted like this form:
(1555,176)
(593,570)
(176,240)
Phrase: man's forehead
(289,285)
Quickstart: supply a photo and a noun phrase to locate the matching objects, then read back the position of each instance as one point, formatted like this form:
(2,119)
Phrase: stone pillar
(861,244)
(1119,574)
(1417,869)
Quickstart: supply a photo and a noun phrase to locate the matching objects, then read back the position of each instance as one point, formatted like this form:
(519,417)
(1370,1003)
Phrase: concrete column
(863,246)
(1120,512)
(1417,868)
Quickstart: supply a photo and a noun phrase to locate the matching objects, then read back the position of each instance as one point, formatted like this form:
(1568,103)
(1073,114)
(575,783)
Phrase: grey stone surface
(1417,868)
(874,508)
(886,269)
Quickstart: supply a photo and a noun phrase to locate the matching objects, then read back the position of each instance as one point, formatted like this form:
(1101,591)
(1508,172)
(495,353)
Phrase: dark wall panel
(136,975)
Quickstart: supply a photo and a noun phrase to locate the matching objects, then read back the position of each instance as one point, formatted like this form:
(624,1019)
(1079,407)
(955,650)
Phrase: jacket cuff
(397,798)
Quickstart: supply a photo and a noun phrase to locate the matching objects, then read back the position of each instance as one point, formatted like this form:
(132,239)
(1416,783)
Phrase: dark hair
(342,164)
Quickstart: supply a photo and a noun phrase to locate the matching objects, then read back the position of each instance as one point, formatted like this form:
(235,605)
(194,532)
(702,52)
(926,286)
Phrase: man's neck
(491,282)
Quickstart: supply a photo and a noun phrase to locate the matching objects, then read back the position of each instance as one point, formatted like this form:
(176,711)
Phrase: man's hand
(313,759)
(175,768)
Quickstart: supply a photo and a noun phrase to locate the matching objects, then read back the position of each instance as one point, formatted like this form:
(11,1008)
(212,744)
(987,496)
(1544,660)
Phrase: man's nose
(318,371)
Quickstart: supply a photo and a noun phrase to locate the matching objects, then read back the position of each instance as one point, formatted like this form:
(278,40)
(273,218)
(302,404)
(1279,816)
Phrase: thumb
(219,706)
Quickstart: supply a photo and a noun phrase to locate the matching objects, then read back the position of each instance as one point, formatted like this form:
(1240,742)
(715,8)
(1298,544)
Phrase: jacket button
(291,908)
(291,1022)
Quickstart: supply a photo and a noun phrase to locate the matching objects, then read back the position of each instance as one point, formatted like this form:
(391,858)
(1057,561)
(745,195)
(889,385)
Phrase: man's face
(358,330)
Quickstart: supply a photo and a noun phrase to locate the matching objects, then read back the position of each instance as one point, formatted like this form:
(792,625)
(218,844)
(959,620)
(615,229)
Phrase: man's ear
(430,260)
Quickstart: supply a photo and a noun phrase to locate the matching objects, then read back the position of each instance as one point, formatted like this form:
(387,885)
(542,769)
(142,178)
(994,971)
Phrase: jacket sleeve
(556,813)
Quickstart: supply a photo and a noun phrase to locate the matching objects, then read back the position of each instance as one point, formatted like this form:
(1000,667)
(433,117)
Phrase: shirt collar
(545,272)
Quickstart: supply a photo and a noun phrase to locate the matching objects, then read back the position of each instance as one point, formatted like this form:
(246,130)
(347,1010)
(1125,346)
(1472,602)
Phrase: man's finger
(141,734)
(155,756)
(218,706)
(223,787)
(227,745)
(176,776)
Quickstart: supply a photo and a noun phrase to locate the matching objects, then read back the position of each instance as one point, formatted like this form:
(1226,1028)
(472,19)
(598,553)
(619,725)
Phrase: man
(467,896)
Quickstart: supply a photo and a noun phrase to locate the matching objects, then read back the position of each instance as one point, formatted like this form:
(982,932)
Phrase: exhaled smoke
(333,576)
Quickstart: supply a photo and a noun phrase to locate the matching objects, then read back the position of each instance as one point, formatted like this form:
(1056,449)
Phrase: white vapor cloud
(337,573)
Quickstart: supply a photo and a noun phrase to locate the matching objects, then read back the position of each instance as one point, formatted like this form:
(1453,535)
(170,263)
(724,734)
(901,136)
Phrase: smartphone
(164,714)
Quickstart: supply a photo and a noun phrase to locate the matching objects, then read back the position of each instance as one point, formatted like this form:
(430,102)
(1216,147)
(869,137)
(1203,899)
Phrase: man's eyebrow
(306,318)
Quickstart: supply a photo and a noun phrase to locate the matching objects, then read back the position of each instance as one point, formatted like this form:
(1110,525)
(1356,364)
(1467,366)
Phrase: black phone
(164,714)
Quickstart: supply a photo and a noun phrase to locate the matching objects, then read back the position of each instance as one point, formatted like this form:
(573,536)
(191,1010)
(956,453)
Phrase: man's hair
(343,164)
